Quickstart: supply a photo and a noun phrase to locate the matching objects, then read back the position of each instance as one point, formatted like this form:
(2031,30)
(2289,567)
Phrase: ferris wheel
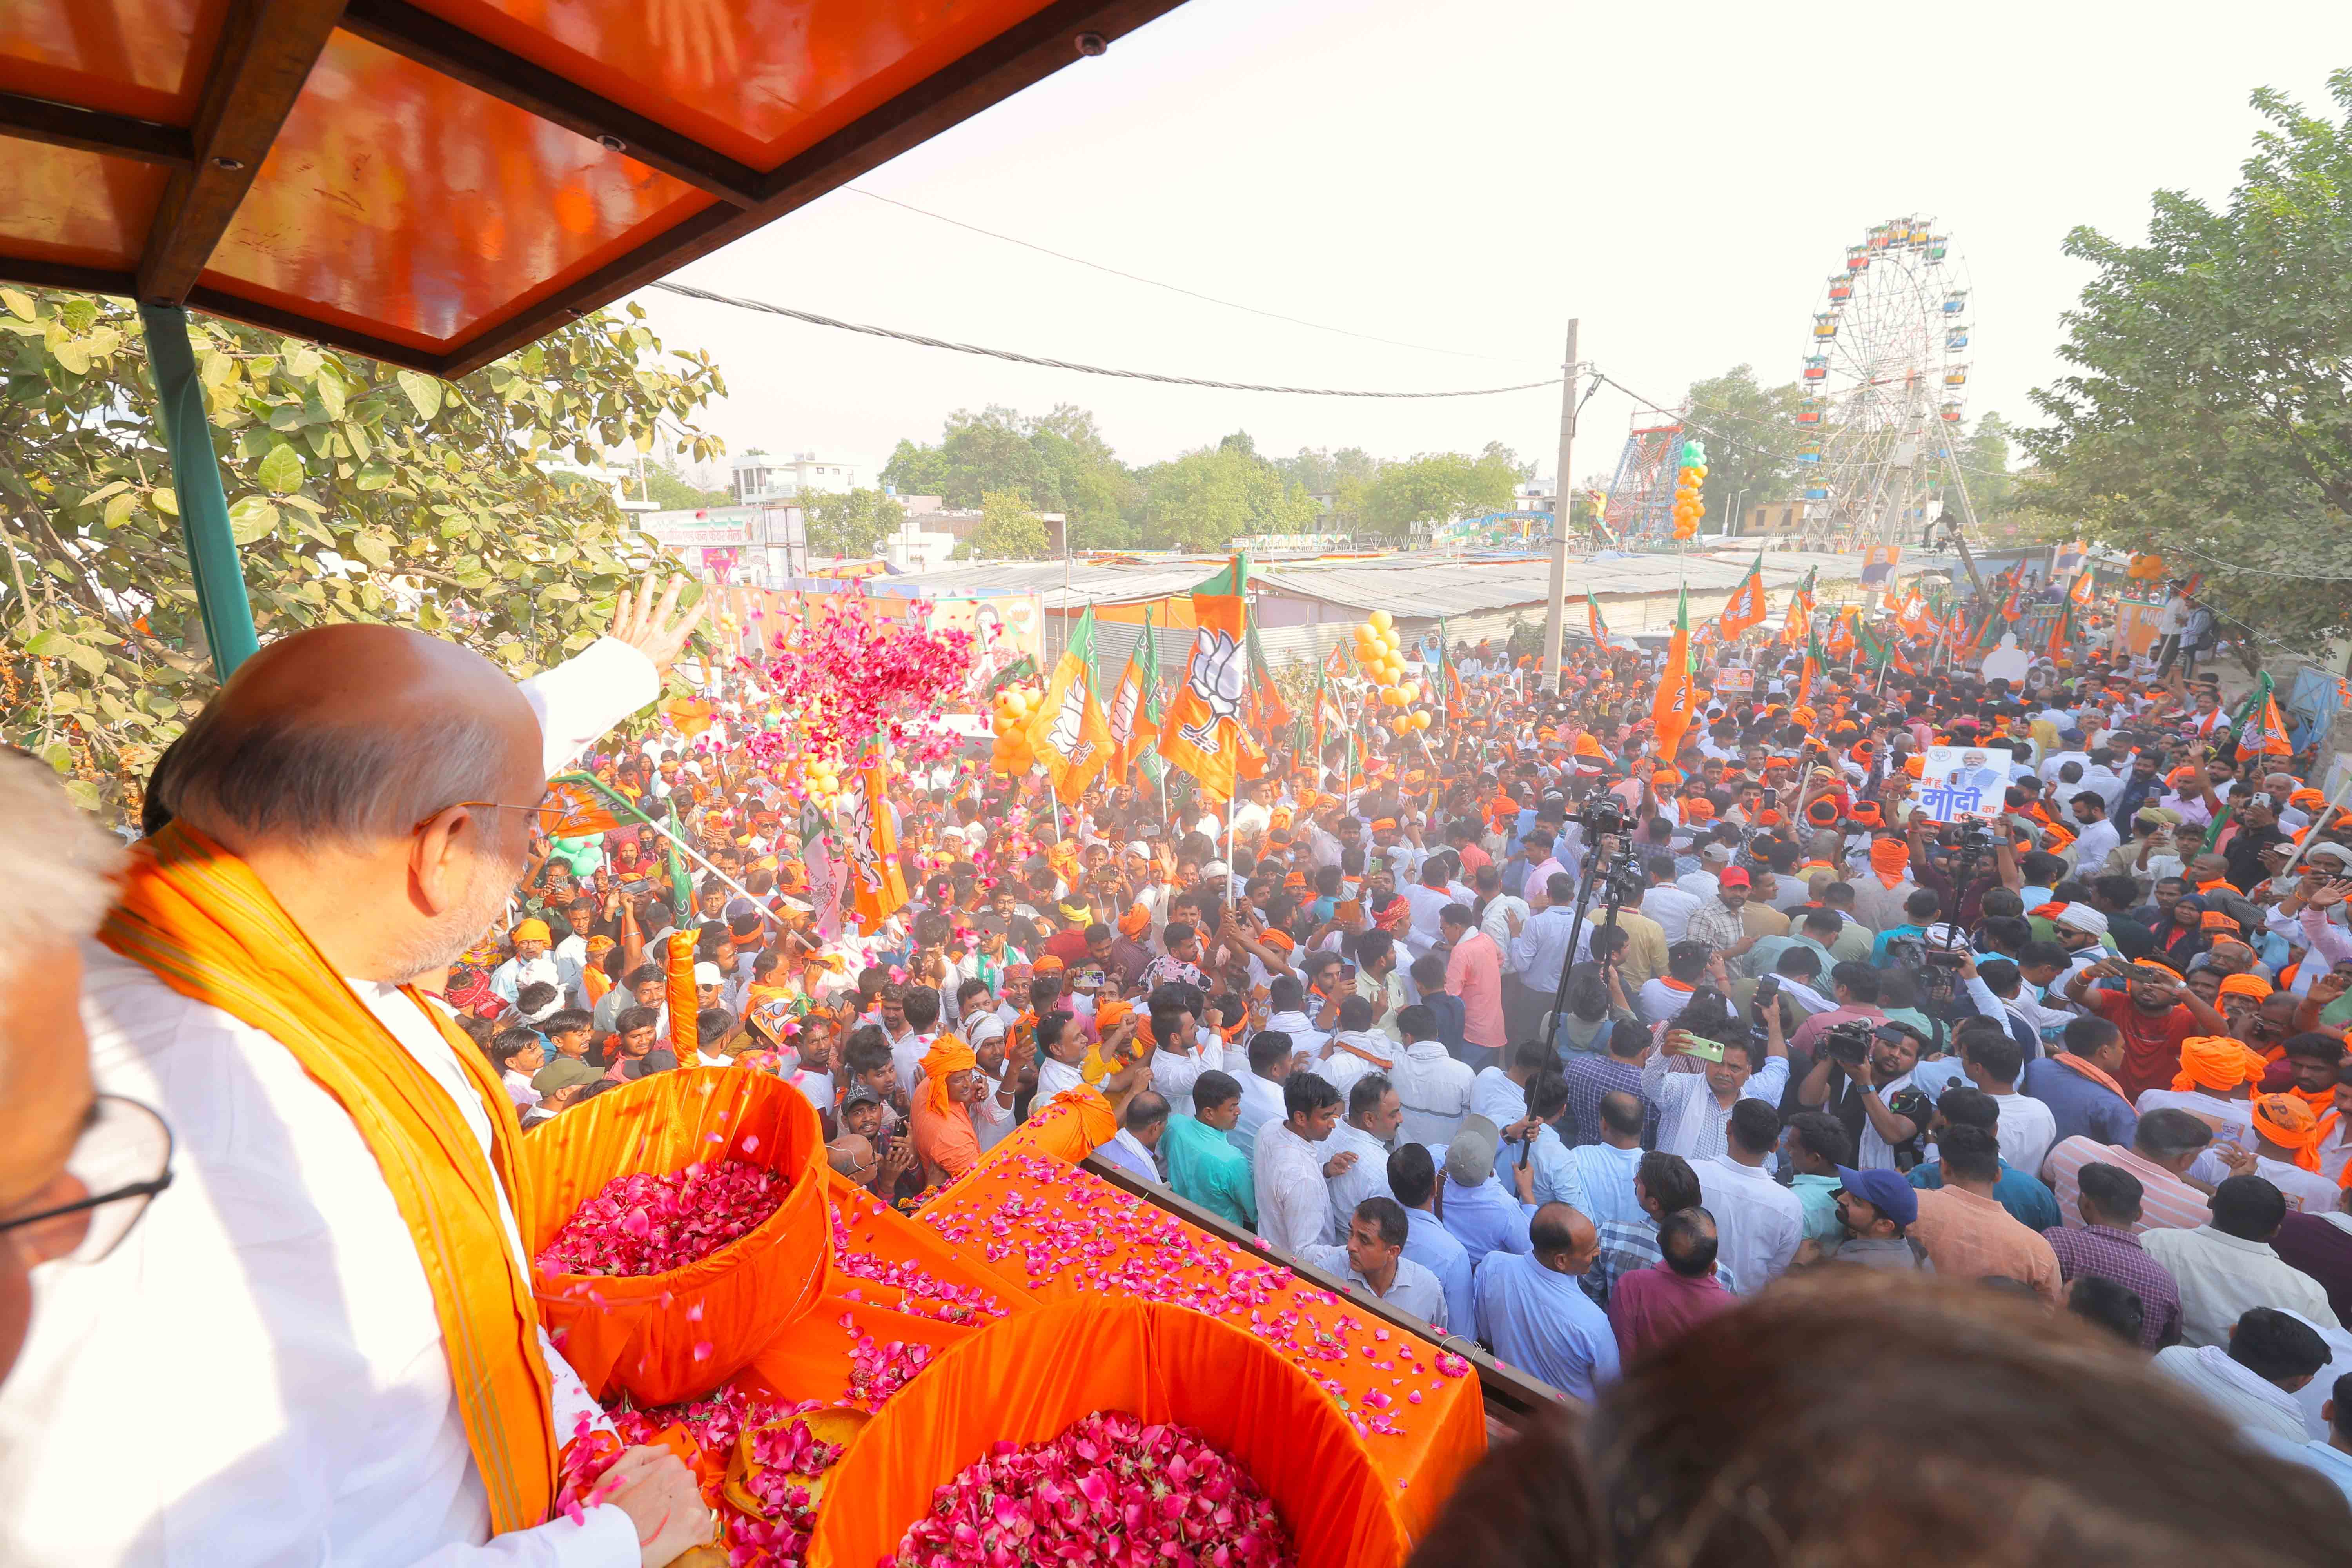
(1885,381)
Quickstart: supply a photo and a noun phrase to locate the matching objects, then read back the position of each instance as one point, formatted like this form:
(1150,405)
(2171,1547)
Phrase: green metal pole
(195,478)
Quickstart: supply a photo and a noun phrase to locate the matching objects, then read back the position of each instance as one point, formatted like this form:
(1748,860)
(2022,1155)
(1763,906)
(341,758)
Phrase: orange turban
(1804,715)
(1915,765)
(531,931)
(1890,859)
(1586,746)
(1279,941)
(1698,808)
(948,1054)
(1132,924)
(2218,920)
(1384,825)
(2290,1123)
(2253,985)
(2216,1062)
(1109,1013)
(1047,964)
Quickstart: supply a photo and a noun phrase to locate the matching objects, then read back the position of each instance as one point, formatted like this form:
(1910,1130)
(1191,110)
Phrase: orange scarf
(2093,1071)
(193,914)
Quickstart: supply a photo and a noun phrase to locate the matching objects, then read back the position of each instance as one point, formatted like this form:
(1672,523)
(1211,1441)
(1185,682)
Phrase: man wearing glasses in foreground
(320,1345)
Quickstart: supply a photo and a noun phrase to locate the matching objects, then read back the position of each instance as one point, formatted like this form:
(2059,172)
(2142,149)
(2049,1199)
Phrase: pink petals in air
(640,1224)
(1109,1490)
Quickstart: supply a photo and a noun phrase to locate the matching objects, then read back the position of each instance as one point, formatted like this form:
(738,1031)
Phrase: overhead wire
(1172,288)
(1015,356)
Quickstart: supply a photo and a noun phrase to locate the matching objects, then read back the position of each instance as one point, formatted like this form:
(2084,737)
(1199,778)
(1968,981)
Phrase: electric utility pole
(1561,511)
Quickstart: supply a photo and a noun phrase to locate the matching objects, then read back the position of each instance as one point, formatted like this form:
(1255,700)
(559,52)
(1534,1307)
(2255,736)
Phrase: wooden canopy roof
(436,183)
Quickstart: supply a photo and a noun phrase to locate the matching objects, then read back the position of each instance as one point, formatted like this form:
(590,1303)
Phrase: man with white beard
(323,1333)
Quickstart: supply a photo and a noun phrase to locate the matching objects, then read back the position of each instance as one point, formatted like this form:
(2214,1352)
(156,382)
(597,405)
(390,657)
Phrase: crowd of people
(1535,1029)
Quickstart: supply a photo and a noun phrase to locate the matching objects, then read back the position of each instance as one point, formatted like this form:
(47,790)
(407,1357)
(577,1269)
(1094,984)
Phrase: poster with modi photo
(1957,782)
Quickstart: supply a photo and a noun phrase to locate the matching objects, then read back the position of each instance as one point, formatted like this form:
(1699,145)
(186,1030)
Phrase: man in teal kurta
(1203,1167)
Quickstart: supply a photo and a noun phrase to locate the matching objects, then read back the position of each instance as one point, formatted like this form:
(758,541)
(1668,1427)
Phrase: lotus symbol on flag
(1217,677)
(862,860)
(1067,735)
(1123,708)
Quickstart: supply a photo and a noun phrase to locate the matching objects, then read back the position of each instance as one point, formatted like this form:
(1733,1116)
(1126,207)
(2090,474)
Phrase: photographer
(1862,1075)
(1695,1107)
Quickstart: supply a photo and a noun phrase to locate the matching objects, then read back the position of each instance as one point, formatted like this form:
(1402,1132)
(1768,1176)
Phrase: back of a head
(1268,1050)
(1686,1239)
(1622,1112)
(1145,1112)
(1364,1096)
(1669,1180)
(1970,1154)
(2166,1133)
(2115,1192)
(2276,1346)
(1771,1435)
(1860,981)
(1964,1105)
(1412,1174)
(1755,1127)
(2110,1303)
(2247,1207)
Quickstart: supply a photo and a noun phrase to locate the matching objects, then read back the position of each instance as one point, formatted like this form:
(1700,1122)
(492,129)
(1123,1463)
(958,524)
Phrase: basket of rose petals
(1107,1430)
(675,1224)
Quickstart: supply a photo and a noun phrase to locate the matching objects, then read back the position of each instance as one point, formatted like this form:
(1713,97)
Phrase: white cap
(708,974)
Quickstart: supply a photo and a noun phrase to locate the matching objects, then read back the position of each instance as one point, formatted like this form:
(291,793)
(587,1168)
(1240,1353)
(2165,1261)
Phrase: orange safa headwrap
(2290,1123)
(2216,1062)
(2253,985)
(1890,860)
(948,1054)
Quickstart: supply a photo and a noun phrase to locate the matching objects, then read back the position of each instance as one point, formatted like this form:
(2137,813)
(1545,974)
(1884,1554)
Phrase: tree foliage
(853,524)
(2210,416)
(1008,529)
(1056,461)
(356,492)
(1206,498)
(1439,487)
(674,491)
(1751,436)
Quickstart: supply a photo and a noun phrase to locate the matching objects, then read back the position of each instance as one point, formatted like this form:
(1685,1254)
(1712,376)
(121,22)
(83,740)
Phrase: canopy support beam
(266,51)
(196,480)
(94,130)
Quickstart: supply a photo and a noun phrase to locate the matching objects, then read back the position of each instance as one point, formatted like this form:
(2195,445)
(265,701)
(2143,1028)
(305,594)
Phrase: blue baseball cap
(1885,1191)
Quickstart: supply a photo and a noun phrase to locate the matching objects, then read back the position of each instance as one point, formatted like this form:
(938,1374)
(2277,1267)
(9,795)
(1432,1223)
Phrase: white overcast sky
(1467,175)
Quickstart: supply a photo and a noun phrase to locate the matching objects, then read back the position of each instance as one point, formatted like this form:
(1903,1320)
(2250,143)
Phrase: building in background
(766,478)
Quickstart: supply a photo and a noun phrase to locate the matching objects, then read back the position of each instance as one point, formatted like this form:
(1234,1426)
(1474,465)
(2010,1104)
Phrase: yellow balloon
(1420,721)
(1381,620)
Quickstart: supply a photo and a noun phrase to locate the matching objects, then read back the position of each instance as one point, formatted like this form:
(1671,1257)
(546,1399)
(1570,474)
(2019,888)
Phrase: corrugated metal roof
(1420,588)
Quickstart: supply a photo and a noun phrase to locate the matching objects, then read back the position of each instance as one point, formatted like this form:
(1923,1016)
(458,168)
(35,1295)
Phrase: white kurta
(261,1357)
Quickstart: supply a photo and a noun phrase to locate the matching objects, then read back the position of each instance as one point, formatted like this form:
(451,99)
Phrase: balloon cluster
(1381,652)
(1688,478)
(822,779)
(2146,568)
(1010,717)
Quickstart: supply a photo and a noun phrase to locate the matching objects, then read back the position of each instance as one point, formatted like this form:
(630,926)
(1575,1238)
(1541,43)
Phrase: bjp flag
(2261,727)
(2084,588)
(1670,709)
(1911,614)
(1600,627)
(1798,627)
(876,889)
(585,807)
(1069,733)
(1134,716)
(1745,608)
(1202,734)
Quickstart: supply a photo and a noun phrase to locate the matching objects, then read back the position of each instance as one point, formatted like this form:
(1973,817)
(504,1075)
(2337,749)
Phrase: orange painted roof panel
(403,200)
(756,79)
(78,208)
(145,58)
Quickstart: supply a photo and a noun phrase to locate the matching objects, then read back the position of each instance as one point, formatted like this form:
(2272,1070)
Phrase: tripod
(1617,871)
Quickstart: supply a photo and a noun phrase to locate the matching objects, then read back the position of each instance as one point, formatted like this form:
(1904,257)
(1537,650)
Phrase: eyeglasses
(123,1159)
(544,818)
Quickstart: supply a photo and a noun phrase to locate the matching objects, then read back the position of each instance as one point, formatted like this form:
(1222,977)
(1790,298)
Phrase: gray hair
(309,782)
(61,862)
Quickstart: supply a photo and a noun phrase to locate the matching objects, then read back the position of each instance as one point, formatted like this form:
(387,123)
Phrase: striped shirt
(2111,1254)
(2167,1202)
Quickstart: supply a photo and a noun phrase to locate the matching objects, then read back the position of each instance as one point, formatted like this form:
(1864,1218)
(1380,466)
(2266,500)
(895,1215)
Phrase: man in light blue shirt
(1604,1171)
(2331,1456)
(1536,1316)
(1412,1177)
(1481,1215)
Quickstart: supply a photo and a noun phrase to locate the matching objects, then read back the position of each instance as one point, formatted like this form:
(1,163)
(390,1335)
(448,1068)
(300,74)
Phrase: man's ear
(439,854)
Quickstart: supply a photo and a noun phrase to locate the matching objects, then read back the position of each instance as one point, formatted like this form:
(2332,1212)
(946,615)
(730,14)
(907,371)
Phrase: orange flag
(1745,608)
(1201,733)
(877,888)
(1670,709)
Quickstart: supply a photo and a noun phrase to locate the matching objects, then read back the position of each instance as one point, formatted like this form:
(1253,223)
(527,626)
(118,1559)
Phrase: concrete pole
(1561,511)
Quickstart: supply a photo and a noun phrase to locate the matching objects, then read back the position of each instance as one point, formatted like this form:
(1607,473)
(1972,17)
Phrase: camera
(1602,816)
(1847,1044)
(1976,838)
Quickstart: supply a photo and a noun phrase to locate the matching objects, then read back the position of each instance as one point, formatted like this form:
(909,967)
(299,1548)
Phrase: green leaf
(424,392)
(374,476)
(302,362)
(372,549)
(281,470)
(329,390)
(165,500)
(83,793)
(73,354)
(119,509)
(78,314)
(20,305)
(252,517)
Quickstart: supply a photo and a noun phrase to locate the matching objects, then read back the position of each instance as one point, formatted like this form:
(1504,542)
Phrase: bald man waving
(320,1345)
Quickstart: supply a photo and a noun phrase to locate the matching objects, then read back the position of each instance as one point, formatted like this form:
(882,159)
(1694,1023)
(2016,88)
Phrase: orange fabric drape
(1028,1378)
(1069,1127)
(1440,1437)
(199,919)
(679,994)
(678,1335)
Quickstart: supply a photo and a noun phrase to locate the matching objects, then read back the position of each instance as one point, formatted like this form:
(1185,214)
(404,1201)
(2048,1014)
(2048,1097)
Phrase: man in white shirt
(1993,1060)
(2226,1266)
(1289,1167)
(1693,1108)
(1432,1087)
(333,1410)
(2097,836)
(1369,1132)
(1271,1059)
(1664,903)
(1134,1147)
(1758,1221)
